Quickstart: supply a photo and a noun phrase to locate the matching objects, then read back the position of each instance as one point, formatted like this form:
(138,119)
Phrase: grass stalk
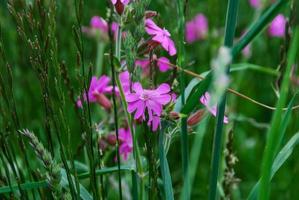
(181,6)
(113,72)
(231,21)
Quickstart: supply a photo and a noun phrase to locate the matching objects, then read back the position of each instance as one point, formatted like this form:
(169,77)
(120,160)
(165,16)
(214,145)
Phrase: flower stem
(231,21)
(99,58)
(181,62)
(117,54)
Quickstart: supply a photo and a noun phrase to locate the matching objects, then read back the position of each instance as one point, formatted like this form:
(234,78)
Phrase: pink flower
(196,29)
(97,90)
(152,101)
(161,36)
(126,143)
(277,26)
(99,23)
(163,63)
(255,3)
(205,100)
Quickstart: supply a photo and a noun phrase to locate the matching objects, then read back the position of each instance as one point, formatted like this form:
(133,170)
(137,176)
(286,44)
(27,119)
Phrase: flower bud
(195,118)
(119,7)
(111,139)
(174,115)
(150,14)
(103,101)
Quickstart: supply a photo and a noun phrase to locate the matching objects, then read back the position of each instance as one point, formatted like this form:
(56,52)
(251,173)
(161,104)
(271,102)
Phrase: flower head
(277,26)
(142,101)
(161,36)
(99,23)
(205,100)
(97,90)
(126,143)
(197,28)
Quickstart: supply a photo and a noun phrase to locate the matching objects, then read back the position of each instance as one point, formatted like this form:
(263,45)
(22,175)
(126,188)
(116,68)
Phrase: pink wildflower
(126,143)
(161,36)
(196,29)
(277,26)
(99,23)
(152,101)
(205,100)
(255,3)
(97,90)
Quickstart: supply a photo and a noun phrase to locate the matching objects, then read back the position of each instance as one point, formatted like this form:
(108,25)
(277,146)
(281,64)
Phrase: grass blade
(230,27)
(166,177)
(281,158)
(195,151)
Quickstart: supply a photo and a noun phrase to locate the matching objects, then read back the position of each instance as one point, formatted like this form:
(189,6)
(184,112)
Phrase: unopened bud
(150,14)
(195,118)
(174,115)
(103,101)
(119,7)
(111,139)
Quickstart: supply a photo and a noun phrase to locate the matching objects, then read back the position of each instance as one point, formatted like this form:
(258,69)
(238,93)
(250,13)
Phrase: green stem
(117,54)
(99,58)
(231,21)
(184,131)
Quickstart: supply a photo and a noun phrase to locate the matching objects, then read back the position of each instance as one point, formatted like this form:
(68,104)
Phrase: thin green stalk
(181,6)
(117,54)
(274,133)
(99,60)
(231,21)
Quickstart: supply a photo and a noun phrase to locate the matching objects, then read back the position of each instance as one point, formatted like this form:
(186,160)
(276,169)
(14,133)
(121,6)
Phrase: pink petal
(131,97)
(163,64)
(160,38)
(163,88)
(163,99)
(137,88)
(151,28)
(171,48)
(132,106)
(140,109)
(154,106)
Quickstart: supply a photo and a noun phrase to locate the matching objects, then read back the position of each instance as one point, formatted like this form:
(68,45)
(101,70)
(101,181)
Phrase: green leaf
(25,186)
(244,66)
(281,158)
(84,194)
(195,152)
(166,177)
(194,93)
